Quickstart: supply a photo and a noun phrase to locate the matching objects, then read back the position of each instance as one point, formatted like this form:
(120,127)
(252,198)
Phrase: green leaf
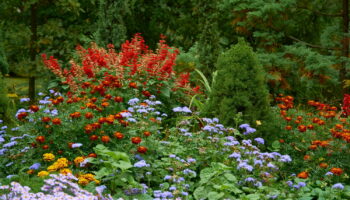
(276,145)
(204,81)
(200,193)
(165,91)
(52,84)
(215,195)
(253,196)
(230,177)
(206,174)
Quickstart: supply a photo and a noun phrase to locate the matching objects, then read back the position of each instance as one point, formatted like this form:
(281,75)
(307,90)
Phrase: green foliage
(111,28)
(114,168)
(239,86)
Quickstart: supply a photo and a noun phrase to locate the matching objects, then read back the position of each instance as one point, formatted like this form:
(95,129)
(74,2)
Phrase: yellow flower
(78,160)
(61,163)
(52,168)
(31,171)
(97,181)
(258,122)
(65,171)
(49,157)
(89,177)
(43,173)
(83,181)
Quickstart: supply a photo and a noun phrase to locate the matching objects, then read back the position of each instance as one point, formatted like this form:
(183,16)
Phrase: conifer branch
(312,45)
(321,13)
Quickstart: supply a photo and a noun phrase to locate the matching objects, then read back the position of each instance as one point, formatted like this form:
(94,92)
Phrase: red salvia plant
(135,62)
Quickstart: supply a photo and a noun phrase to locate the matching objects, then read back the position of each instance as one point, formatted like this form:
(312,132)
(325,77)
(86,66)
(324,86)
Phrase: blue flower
(172,188)
(259,140)
(10,144)
(301,184)
(24,100)
(10,176)
(285,158)
(1,121)
(289,183)
(141,163)
(2,151)
(244,126)
(44,102)
(54,112)
(133,101)
(329,174)
(138,157)
(182,109)
(184,193)
(245,166)
(249,179)
(35,166)
(191,160)
(235,155)
(338,186)
(100,189)
(76,145)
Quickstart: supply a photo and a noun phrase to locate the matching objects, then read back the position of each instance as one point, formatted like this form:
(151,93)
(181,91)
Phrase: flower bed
(118,122)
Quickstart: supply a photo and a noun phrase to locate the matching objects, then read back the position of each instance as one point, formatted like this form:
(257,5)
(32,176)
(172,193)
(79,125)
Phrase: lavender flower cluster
(57,187)
(144,110)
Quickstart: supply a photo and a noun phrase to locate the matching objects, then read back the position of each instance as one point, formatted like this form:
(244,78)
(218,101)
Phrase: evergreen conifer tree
(239,86)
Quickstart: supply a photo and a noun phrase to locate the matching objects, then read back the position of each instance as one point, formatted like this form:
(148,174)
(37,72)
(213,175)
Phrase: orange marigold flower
(303,175)
(336,171)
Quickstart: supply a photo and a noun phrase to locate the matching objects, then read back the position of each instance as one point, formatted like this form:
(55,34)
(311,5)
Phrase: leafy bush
(239,87)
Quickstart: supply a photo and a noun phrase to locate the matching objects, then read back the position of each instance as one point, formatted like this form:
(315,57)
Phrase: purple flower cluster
(248,129)
(57,187)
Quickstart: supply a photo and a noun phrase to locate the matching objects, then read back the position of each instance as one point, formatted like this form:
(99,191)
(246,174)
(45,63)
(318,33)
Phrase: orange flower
(336,171)
(303,175)
(105,139)
(56,121)
(88,115)
(313,147)
(118,135)
(105,104)
(307,157)
(302,128)
(323,165)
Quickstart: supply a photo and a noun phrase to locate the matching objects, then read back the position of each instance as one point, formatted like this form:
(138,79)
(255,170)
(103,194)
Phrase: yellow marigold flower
(89,177)
(78,160)
(83,181)
(43,173)
(61,163)
(49,157)
(52,168)
(97,181)
(66,171)
(31,171)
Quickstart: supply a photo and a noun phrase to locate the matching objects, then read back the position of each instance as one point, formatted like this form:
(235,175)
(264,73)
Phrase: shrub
(239,86)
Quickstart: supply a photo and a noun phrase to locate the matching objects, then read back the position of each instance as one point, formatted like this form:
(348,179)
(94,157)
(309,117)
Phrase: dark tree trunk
(33,27)
(345,49)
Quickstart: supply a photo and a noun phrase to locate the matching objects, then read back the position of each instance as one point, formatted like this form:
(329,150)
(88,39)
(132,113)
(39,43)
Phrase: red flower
(136,140)
(142,149)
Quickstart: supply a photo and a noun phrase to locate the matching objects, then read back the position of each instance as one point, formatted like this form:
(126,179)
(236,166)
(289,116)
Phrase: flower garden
(124,125)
